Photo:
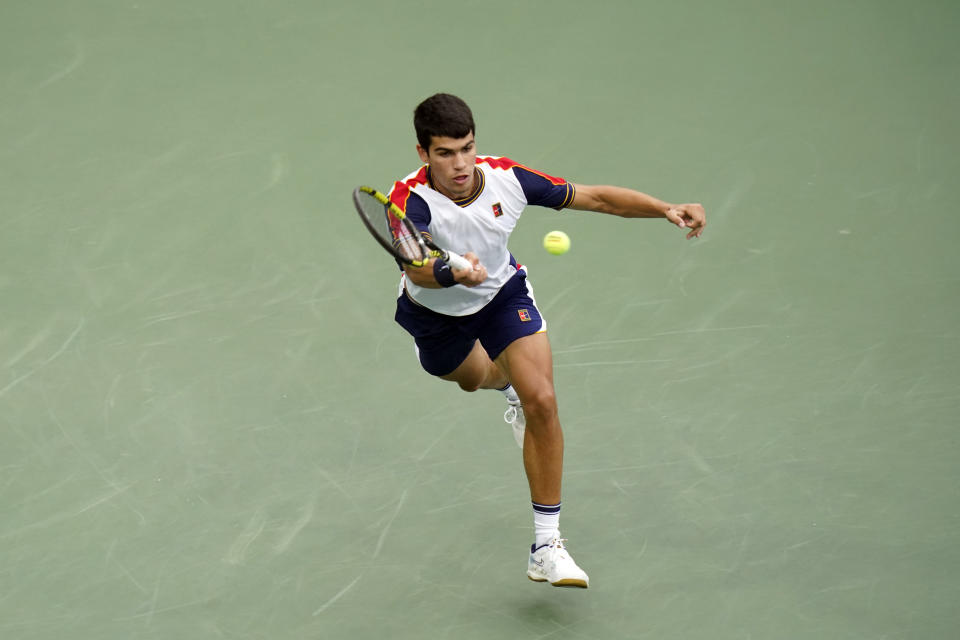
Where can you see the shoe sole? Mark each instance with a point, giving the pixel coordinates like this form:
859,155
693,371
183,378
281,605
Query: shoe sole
570,582
566,582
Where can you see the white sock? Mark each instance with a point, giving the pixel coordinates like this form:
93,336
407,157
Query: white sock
510,393
546,523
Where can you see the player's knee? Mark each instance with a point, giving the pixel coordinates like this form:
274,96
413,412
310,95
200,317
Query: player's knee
469,385
466,382
541,406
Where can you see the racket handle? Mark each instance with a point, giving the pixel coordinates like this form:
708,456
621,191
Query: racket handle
457,262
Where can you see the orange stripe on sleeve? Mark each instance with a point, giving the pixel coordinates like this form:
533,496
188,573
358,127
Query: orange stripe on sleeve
507,163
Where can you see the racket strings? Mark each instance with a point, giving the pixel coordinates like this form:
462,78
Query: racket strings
391,229
406,244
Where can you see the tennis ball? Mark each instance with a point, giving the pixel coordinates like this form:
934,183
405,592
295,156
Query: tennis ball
556,242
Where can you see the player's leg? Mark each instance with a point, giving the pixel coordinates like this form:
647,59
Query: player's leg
477,371
528,364
514,334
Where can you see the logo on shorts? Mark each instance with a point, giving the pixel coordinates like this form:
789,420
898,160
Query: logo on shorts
497,210
524,315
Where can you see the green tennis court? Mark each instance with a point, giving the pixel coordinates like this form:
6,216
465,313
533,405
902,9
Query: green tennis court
210,426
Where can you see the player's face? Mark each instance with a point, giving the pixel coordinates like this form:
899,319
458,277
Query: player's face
452,164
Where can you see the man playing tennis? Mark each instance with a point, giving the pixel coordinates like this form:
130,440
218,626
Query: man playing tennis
480,327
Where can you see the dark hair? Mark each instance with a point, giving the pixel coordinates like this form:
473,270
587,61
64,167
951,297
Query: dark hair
442,115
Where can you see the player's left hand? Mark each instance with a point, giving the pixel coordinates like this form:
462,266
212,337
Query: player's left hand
688,216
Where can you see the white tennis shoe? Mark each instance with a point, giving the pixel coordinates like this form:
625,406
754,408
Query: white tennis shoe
552,563
515,418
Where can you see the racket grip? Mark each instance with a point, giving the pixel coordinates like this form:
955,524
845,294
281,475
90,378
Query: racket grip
457,262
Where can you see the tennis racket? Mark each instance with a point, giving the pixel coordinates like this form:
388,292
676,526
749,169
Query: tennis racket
397,234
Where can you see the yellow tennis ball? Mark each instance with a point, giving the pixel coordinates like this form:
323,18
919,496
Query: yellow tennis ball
556,242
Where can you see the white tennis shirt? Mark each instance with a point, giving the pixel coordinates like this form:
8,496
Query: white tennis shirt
481,223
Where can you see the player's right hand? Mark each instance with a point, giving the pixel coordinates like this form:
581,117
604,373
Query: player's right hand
471,277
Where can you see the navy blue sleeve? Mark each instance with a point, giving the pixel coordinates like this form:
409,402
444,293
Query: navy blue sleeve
417,210
543,190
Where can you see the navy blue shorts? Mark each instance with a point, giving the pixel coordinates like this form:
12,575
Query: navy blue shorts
444,342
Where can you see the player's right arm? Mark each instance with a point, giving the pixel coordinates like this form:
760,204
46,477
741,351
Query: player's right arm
424,276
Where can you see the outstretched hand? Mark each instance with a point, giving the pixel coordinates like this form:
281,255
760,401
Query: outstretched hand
688,216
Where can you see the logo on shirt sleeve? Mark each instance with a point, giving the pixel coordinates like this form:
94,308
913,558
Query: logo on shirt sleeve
497,210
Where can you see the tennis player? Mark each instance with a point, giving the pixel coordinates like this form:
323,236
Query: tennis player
481,327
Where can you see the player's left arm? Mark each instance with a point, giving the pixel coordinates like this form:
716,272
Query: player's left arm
627,203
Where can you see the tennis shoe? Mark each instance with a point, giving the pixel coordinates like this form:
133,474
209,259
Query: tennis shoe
552,563
515,418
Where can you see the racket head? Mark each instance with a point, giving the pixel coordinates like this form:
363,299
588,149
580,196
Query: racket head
387,223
